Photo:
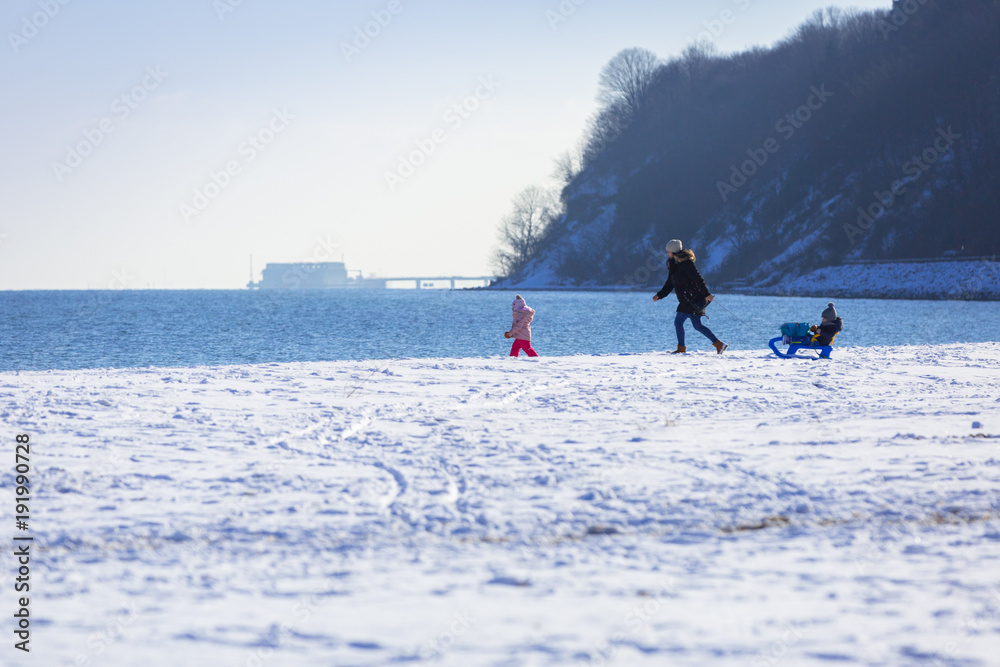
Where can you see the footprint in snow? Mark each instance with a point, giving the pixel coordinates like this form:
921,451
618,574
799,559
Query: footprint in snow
508,581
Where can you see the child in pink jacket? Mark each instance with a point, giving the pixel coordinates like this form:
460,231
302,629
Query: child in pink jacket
521,329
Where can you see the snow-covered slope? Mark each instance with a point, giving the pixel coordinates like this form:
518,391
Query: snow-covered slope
633,510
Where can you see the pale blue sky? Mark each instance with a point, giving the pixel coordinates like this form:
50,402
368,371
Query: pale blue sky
116,219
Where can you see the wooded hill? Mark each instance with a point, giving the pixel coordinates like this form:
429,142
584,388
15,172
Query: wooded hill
871,135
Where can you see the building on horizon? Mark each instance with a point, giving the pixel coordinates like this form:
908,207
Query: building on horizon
303,275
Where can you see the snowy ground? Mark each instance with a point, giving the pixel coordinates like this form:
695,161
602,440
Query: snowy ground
632,510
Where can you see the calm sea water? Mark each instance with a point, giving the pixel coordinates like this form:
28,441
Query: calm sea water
102,329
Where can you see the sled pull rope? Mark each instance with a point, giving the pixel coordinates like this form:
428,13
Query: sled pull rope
745,323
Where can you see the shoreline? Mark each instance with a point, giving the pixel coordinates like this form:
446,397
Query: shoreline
756,292
937,279
385,363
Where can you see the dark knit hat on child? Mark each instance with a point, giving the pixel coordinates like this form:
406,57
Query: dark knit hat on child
830,314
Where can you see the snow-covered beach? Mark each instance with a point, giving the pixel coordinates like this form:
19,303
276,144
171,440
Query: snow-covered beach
632,510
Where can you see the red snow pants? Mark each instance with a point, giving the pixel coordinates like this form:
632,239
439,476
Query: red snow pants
525,345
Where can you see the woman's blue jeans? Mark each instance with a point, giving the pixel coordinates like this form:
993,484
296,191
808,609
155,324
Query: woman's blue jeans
698,326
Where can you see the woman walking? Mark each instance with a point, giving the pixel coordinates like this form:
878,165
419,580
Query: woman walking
693,296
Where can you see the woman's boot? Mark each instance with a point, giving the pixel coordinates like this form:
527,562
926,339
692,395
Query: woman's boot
680,350
720,347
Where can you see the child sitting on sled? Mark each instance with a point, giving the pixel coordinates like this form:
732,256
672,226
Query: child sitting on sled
832,325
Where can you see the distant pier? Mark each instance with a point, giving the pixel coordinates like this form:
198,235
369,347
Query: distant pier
428,283
334,275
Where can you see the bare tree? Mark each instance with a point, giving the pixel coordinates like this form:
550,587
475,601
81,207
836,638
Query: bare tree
696,57
566,168
522,229
604,128
626,79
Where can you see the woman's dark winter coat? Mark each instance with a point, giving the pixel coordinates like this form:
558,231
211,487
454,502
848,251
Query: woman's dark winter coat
685,280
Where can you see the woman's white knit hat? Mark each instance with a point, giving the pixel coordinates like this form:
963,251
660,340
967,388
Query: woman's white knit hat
675,246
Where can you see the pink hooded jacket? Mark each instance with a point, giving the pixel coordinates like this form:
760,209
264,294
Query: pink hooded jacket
521,329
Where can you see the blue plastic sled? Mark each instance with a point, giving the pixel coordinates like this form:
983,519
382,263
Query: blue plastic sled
796,343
